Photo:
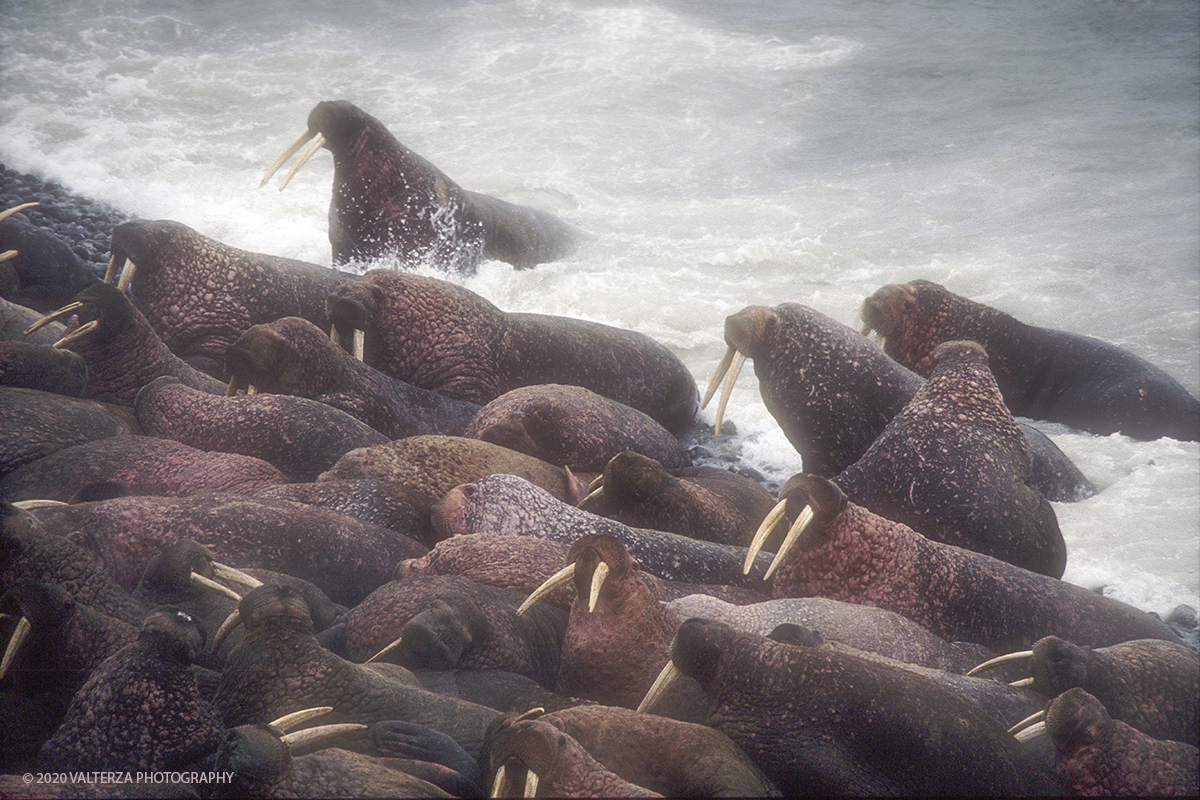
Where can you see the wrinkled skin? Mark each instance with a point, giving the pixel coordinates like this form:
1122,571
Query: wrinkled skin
34,424
708,503
1043,373
123,353
441,336
39,366
1150,684
16,318
953,465
511,506
45,273
848,553
200,295
1102,757
140,709
820,721
301,437
139,465
866,628
573,427
436,464
389,202
31,554
388,504
521,563
832,391
673,758
279,668
293,356
563,767
345,558
450,622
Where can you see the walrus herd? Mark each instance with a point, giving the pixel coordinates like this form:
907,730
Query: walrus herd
326,533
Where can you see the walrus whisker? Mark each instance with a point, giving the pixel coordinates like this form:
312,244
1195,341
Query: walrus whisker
739,359
287,153
54,316
1037,716
288,722
78,333
208,583
302,159
666,676
764,530
550,584
7,255
9,212
793,536
598,577
1008,658
19,634
389,648
1031,732
718,374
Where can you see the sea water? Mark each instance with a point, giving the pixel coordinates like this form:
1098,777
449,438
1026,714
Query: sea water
1042,158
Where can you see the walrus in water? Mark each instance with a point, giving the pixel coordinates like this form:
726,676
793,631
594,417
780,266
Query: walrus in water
389,202
1043,373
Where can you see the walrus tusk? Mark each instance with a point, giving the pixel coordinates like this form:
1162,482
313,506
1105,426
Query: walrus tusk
531,783
77,334
360,337
500,782
1020,655
592,495
718,373
668,675
29,504
598,577
126,275
389,648
19,634
793,536
302,159
208,583
729,368
768,524
228,573
564,575
289,721
288,152
1037,716
1032,732
312,739
54,316
9,212
232,621
7,255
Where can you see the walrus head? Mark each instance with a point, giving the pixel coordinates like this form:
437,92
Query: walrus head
805,501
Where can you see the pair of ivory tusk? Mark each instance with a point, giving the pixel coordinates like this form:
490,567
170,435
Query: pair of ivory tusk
1020,655
728,368
565,575
311,739
360,337
1029,728
235,385
63,313
502,782
300,141
764,530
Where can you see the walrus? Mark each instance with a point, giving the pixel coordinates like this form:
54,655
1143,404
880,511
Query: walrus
199,294
1098,756
573,427
1151,684
840,550
389,202
34,424
833,391
953,466
441,336
820,721
141,709
43,271
293,356
1043,373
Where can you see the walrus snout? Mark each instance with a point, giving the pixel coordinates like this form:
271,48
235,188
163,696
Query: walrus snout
883,310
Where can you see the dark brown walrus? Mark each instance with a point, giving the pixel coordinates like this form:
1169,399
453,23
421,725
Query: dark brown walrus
200,294
1043,373
389,202
842,551
441,336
